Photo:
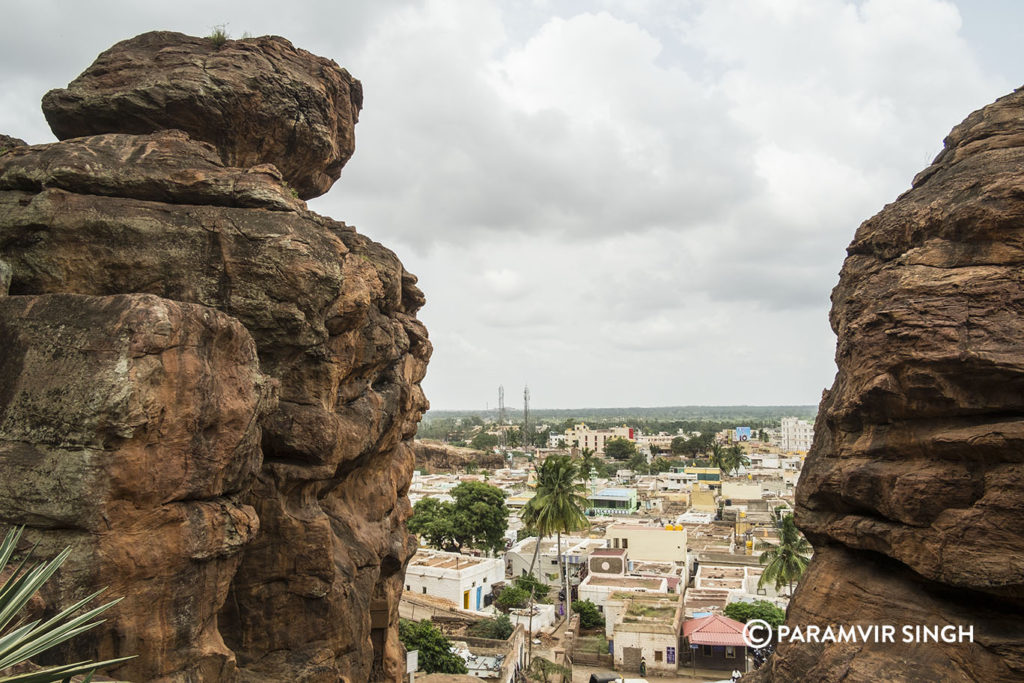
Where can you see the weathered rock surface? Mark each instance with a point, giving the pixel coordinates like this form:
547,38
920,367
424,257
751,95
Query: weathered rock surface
257,100
913,492
129,429
7,143
158,216
433,456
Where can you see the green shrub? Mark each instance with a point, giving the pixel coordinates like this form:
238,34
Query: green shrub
435,649
513,597
760,609
590,615
218,36
20,641
499,628
531,584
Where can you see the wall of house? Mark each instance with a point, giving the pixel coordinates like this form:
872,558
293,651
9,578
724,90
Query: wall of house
466,587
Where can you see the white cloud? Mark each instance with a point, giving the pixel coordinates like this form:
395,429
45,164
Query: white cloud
621,203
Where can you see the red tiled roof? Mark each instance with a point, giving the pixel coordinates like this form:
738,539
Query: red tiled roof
714,630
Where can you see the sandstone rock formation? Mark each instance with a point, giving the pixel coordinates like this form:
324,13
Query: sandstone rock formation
913,492
433,456
257,100
207,389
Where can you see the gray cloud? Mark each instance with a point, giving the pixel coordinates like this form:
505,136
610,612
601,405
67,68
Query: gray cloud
621,203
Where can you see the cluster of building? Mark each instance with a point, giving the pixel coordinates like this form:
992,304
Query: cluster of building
662,558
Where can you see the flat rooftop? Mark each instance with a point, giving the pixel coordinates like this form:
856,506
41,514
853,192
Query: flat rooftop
446,561
614,493
623,582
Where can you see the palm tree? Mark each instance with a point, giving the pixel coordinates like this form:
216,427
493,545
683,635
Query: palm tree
559,503
717,456
786,561
733,459
586,463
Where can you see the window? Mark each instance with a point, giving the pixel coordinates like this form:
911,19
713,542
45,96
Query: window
670,655
424,589
408,588
706,651
616,543
657,655
625,543
730,652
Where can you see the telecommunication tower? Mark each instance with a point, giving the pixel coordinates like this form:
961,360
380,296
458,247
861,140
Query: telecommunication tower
526,417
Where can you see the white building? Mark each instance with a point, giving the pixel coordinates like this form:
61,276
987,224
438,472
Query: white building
795,434
462,579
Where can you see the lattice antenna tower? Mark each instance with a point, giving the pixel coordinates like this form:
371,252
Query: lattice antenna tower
526,417
501,416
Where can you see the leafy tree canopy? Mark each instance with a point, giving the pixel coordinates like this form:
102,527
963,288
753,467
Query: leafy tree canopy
477,518
435,650
761,609
484,441
619,448
499,628
513,597
531,584
590,615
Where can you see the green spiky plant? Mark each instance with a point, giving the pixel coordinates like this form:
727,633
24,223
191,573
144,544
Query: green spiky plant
20,641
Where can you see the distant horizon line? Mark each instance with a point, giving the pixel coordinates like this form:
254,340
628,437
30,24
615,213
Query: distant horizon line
656,407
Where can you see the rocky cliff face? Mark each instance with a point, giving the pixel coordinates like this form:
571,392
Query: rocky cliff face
435,456
209,391
913,492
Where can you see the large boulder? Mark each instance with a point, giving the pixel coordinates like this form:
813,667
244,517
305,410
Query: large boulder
129,430
257,100
173,215
913,491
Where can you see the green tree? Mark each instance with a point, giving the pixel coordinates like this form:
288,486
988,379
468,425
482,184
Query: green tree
432,519
537,589
587,463
590,615
717,456
544,670
477,518
733,458
760,609
484,441
785,561
435,650
499,628
559,503
619,448
513,597
659,465
638,463
679,446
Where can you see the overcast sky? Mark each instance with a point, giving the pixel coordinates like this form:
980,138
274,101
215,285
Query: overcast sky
621,203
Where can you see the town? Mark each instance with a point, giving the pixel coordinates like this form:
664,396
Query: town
562,549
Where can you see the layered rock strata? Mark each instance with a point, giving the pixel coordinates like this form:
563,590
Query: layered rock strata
278,504
913,491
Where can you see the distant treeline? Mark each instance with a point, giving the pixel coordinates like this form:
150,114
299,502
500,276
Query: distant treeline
442,423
